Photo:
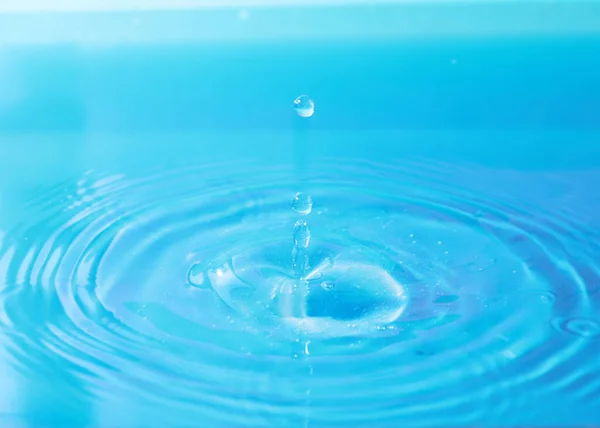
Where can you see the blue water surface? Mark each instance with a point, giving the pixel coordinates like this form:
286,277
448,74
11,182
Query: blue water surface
146,228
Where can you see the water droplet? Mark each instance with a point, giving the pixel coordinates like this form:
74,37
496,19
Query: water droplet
302,203
304,106
301,234
196,277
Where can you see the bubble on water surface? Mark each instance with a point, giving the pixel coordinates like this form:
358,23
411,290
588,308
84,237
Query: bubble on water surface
304,106
302,203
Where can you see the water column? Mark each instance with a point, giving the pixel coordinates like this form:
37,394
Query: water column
302,204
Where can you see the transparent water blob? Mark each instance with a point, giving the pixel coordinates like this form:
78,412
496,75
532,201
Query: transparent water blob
304,106
302,203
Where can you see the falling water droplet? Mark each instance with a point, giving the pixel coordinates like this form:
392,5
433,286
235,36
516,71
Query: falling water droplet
301,234
302,203
304,106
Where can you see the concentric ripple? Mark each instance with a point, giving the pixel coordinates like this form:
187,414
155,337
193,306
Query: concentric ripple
426,301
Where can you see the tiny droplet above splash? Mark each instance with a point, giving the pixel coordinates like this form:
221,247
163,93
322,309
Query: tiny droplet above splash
304,106
301,234
302,203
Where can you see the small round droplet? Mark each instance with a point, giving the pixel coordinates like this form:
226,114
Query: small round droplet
196,277
304,106
302,203
301,234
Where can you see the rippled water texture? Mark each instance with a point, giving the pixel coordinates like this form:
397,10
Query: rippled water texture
431,298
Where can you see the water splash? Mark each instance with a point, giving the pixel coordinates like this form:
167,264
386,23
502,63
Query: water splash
183,282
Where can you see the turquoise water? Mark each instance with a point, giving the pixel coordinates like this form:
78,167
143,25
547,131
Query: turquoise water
447,271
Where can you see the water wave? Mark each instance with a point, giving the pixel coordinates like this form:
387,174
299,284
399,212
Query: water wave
424,303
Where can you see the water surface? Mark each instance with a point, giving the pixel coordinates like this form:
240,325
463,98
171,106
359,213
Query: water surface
454,235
